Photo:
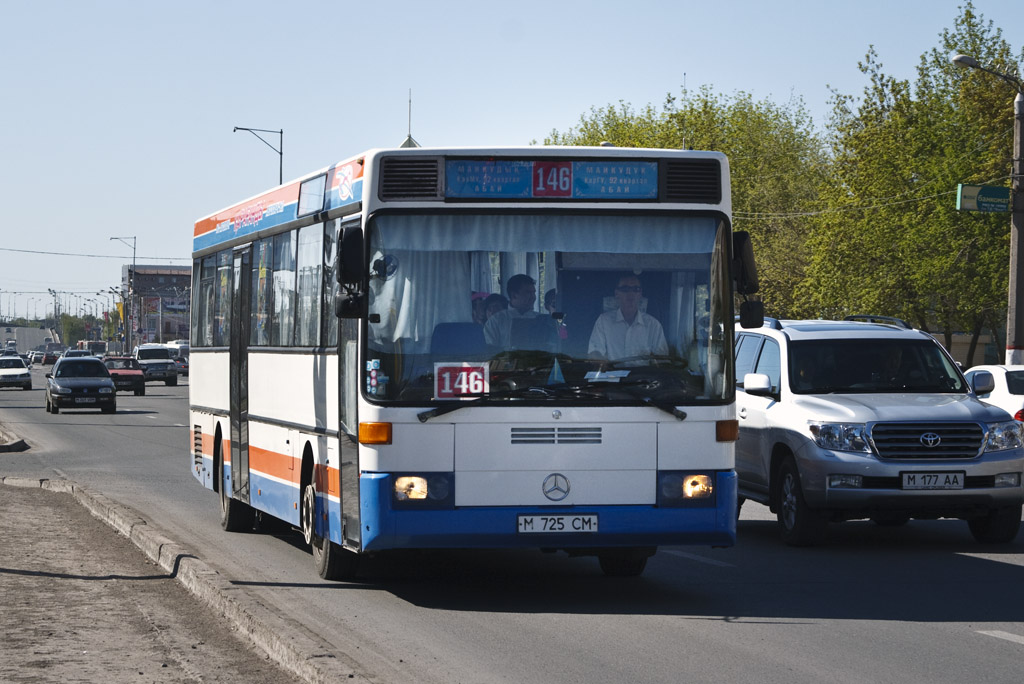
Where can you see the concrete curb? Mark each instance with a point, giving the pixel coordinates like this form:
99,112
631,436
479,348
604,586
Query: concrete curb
286,642
11,442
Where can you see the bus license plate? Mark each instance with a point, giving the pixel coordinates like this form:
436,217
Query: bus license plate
539,524
933,480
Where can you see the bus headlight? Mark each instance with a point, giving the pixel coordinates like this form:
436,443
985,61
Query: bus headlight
677,488
423,490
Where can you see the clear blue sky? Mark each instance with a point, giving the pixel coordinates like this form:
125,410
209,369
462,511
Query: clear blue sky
116,117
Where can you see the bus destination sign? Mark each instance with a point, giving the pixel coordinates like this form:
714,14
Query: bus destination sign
551,179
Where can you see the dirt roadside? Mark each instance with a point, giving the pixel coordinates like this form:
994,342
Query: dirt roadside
80,602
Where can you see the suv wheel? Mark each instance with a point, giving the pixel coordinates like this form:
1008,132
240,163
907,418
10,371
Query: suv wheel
800,525
1000,526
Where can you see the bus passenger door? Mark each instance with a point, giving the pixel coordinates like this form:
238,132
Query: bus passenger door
239,372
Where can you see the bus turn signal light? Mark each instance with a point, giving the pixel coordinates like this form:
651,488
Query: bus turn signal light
727,430
375,433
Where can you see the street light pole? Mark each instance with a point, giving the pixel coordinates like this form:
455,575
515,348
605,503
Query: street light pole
1014,318
130,323
279,149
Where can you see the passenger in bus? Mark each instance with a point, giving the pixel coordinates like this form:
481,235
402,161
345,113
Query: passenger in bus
552,304
522,293
479,303
627,332
493,304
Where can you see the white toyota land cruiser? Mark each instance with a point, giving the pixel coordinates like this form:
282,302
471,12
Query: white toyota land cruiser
845,420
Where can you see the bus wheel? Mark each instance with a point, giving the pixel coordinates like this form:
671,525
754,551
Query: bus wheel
235,516
331,560
623,562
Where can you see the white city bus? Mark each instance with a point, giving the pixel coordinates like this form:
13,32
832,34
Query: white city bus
343,380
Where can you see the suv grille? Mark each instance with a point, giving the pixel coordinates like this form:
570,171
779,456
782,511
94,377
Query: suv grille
927,440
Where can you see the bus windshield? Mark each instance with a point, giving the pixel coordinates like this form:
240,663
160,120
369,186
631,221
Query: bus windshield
550,307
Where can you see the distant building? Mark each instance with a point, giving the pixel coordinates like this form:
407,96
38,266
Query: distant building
159,310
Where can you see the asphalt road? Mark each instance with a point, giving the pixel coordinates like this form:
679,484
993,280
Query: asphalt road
919,603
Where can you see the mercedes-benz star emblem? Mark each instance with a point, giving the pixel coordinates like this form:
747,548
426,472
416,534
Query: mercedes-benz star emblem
930,439
555,486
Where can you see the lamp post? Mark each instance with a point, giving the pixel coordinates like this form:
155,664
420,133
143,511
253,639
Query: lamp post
279,149
1014,319
131,292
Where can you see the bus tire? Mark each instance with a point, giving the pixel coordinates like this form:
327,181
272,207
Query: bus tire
623,562
235,516
332,562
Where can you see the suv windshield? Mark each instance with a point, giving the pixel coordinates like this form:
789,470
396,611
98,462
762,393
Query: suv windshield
147,354
871,365
600,309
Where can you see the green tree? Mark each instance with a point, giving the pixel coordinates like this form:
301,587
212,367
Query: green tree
776,162
891,240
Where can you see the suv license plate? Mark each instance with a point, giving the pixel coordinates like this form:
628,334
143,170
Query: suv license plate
933,480
534,524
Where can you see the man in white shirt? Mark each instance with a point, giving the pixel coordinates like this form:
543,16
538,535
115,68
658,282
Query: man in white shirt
522,293
627,332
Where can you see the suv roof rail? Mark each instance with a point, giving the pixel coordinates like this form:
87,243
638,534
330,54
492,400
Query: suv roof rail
773,323
869,318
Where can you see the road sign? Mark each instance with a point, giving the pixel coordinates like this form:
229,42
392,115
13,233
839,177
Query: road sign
988,198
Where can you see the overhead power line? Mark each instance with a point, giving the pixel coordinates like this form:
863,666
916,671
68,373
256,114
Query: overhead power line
92,256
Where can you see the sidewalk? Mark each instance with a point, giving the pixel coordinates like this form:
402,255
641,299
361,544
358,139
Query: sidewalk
80,602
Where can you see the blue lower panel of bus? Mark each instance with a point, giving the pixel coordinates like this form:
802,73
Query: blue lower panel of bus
383,527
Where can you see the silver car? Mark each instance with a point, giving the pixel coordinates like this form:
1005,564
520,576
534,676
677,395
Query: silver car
844,420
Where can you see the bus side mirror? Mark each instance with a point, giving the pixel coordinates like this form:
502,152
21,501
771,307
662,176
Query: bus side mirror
743,266
751,314
351,266
350,305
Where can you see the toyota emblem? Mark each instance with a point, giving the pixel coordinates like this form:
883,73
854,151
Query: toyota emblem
555,486
930,439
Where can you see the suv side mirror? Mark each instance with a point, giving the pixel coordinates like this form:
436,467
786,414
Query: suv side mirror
758,384
983,382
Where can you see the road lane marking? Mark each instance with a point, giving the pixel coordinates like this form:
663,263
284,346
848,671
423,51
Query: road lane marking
1016,638
701,559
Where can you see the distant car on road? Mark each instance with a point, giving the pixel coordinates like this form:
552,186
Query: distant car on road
14,373
126,373
80,383
1008,394
182,363
157,363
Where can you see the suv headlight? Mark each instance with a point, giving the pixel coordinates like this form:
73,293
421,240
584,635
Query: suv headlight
841,436
1002,436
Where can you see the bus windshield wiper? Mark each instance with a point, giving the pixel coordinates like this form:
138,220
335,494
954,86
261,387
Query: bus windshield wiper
477,399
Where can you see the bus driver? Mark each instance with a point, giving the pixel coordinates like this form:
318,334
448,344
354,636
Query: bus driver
627,332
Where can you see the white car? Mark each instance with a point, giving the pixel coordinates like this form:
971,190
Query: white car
14,373
1008,393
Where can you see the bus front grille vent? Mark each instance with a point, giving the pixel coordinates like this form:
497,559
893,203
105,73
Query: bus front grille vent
695,181
556,435
406,178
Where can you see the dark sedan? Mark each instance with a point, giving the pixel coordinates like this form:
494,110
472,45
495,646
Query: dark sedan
80,383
